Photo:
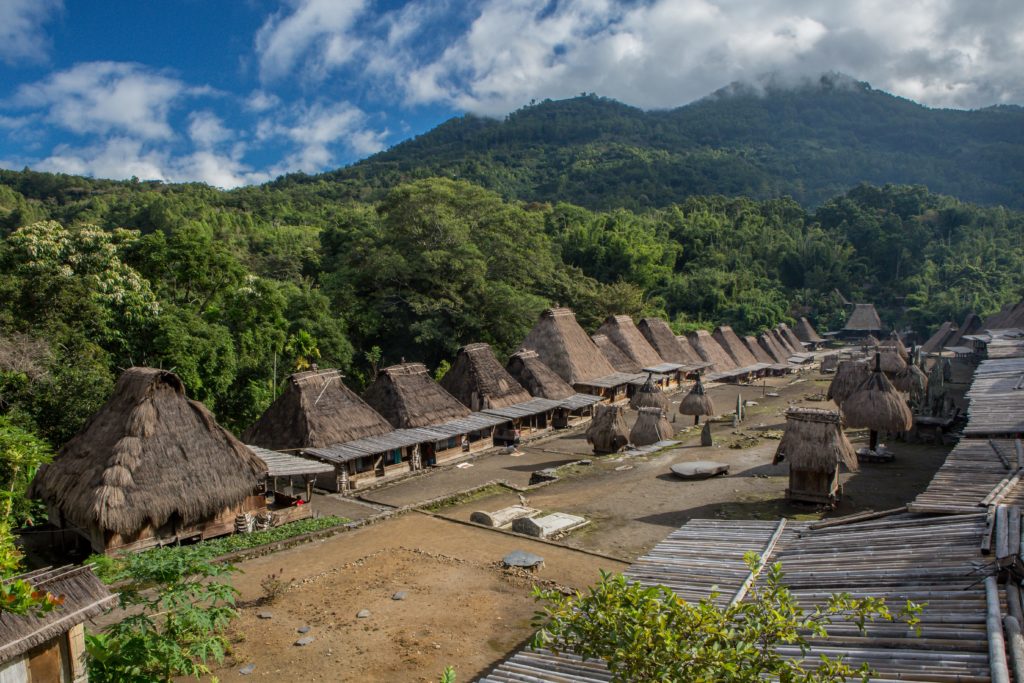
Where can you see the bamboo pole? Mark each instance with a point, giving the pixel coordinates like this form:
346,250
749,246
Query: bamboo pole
1015,643
765,554
1013,602
996,645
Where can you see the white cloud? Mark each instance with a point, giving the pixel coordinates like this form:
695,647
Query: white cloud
107,97
207,129
320,129
21,29
314,34
259,101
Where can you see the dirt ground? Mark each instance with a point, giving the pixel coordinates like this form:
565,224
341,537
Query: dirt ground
461,608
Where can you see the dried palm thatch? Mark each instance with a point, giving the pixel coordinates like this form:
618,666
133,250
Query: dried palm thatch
870,342
541,381
896,343
850,374
315,410
911,380
783,343
565,348
771,346
941,338
697,402
659,335
148,454
616,356
651,426
863,318
621,331
407,397
732,345
607,432
757,351
792,341
877,405
477,379
814,442
892,363
684,343
711,351
649,395
805,332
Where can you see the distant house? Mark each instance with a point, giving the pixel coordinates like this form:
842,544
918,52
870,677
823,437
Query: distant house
863,321
670,347
151,467
51,648
542,382
616,356
622,332
732,345
806,333
711,351
814,446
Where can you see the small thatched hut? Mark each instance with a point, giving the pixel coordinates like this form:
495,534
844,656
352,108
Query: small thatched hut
607,432
711,351
892,362
151,467
850,374
564,347
877,406
616,356
622,332
911,380
315,410
660,336
697,402
651,426
407,396
863,321
815,446
649,395
806,333
894,342
757,351
732,345
477,379
537,378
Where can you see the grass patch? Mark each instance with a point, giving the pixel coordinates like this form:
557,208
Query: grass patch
468,497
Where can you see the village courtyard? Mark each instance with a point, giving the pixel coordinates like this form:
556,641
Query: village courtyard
431,587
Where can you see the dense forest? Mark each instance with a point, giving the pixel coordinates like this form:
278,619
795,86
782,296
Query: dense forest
810,143
235,289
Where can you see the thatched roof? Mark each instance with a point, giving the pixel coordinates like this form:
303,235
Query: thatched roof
864,318
971,325
660,336
892,362
649,395
147,454
896,343
911,380
477,379
870,341
83,597
616,356
624,334
782,342
771,346
607,432
565,348
651,426
814,442
792,341
850,374
710,351
697,402
805,332
877,405
941,338
757,350
315,410
538,379
684,343
732,345
408,397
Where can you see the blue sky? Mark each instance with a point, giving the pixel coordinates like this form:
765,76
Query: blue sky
232,92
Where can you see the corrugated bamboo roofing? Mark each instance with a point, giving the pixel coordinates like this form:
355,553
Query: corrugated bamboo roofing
976,473
287,465
996,398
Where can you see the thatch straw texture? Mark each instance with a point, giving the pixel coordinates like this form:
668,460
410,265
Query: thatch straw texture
148,454
711,351
876,405
757,351
478,381
651,426
940,339
892,362
315,410
792,341
772,348
697,402
814,442
870,342
805,332
864,318
649,395
684,343
895,342
911,380
660,336
565,348
850,374
782,342
616,356
624,334
408,397
732,345
538,379
607,432
971,325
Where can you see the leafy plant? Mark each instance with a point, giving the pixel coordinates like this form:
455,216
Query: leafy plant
273,586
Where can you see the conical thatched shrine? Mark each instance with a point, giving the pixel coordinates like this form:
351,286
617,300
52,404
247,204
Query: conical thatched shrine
850,374
814,446
649,395
651,426
478,381
607,432
697,403
877,406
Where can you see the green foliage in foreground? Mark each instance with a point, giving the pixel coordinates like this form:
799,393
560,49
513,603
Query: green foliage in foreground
650,634
112,569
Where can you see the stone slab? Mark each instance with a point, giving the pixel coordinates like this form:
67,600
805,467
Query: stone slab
699,469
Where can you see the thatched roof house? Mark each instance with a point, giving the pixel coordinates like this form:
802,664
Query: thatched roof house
757,351
315,410
670,347
616,356
649,395
783,343
806,333
878,406
541,381
792,341
651,426
711,351
407,397
850,374
477,379
624,334
607,432
149,464
771,346
732,345
814,445
971,325
863,320
941,339
565,348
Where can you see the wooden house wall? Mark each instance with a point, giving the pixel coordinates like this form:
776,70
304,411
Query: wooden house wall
813,487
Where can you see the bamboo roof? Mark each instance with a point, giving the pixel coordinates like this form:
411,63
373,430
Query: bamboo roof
974,472
408,397
625,335
670,347
478,380
996,398
737,350
287,465
564,347
538,379
864,318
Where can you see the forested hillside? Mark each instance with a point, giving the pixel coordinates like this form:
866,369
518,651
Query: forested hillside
810,143
233,290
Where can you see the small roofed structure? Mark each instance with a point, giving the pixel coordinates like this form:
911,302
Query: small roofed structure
622,332
850,374
407,396
607,432
806,333
151,467
940,339
51,646
537,378
651,426
972,324
616,356
564,347
649,395
315,410
478,380
877,406
732,345
711,351
670,347
911,380
697,402
891,360
863,321
814,446
792,340
894,342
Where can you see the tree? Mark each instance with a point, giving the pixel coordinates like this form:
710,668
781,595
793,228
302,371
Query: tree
650,634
